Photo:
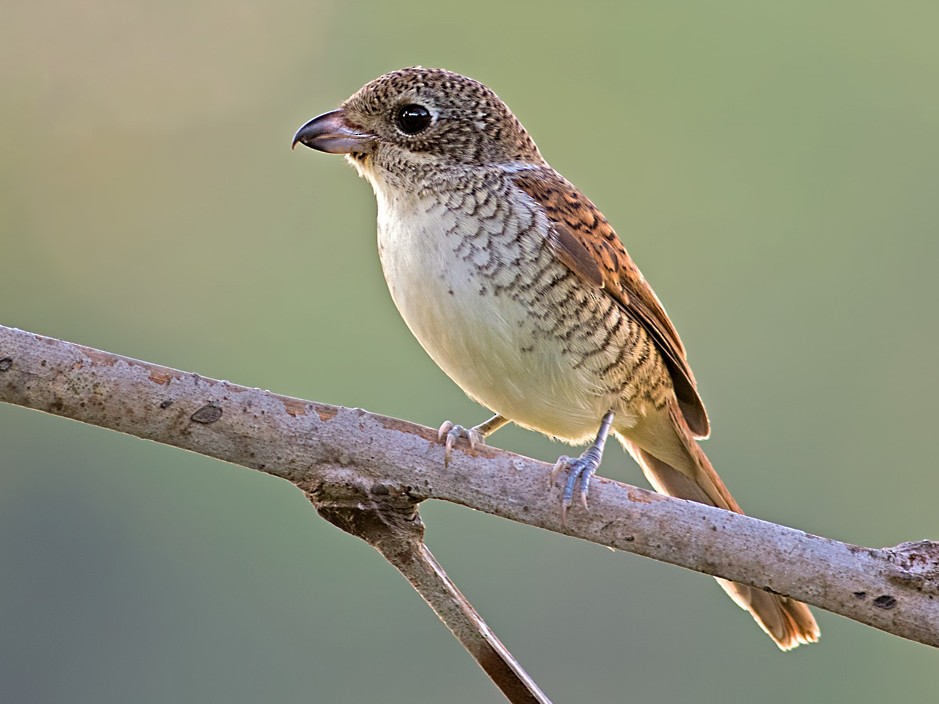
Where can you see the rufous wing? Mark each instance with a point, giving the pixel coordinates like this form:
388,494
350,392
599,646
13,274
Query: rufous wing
586,244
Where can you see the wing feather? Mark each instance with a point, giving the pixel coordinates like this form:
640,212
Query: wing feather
586,244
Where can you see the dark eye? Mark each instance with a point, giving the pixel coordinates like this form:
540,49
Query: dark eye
412,119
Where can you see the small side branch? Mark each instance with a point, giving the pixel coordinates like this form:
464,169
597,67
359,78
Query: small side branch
390,523
313,444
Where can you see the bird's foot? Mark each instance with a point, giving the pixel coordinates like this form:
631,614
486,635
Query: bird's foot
450,433
580,469
583,468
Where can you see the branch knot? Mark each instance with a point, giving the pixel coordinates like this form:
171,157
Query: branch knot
383,515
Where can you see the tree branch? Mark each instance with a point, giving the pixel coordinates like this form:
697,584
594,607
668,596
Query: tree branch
389,522
333,453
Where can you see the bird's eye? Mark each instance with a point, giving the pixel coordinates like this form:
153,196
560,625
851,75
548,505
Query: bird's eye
412,119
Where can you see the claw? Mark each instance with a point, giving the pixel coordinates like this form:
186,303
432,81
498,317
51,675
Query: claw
445,428
449,434
582,469
563,463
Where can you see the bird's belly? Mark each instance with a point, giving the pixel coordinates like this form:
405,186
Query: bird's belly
458,302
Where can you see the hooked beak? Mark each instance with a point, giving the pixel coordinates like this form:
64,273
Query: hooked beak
331,133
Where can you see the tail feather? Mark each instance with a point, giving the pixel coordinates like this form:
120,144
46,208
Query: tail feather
687,474
788,622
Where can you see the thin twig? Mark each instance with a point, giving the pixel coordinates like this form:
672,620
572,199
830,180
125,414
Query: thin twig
390,523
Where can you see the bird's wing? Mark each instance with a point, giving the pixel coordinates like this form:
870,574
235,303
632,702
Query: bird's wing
585,243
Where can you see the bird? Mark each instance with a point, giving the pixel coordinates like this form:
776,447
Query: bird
521,291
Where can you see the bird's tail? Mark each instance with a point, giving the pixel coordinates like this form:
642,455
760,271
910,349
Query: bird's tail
686,473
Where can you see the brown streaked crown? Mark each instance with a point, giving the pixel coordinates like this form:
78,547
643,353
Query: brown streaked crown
469,123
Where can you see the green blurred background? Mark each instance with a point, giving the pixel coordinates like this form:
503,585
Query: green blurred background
772,167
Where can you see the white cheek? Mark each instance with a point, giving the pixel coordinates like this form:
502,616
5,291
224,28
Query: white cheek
360,165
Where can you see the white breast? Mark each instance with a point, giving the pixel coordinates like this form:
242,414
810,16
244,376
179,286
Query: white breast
485,342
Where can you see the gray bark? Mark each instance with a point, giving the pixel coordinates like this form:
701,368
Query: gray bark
368,473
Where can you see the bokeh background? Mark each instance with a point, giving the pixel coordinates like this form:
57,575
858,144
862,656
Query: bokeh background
773,167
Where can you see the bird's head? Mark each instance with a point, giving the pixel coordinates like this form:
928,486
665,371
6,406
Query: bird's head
420,120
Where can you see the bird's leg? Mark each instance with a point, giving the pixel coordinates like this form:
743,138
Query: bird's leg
450,433
583,468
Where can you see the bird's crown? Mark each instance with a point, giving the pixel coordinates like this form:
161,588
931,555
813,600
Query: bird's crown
437,113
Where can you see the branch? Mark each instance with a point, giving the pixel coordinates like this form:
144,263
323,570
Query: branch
389,522
330,451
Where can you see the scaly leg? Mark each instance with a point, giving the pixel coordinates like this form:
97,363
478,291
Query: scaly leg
583,468
475,435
